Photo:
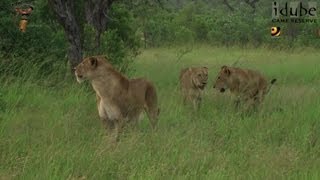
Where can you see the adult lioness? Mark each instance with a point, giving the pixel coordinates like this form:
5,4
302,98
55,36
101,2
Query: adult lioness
249,86
119,99
192,82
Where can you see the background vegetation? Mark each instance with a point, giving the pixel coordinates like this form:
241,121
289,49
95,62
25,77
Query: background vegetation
145,23
49,125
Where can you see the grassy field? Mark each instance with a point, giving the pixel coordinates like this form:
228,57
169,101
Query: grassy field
53,132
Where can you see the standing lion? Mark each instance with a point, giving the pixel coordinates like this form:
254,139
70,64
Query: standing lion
192,82
249,86
119,99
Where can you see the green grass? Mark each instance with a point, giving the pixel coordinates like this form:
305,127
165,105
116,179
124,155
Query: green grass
53,132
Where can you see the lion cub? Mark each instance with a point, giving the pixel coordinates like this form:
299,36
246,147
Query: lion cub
192,82
119,99
249,86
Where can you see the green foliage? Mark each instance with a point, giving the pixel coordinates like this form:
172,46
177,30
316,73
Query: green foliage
117,51
217,25
41,46
120,43
183,35
132,24
158,29
196,18
44,46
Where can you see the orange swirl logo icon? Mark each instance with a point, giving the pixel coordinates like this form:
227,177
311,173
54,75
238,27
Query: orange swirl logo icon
275,31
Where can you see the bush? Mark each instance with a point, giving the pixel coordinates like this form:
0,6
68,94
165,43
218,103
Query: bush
217,25
183,35
120,43
118,53
42,49
159,29
41,46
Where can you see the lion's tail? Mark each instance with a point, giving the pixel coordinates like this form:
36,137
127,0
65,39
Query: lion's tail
152,104
271,83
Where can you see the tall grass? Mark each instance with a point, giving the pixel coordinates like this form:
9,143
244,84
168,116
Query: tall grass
53,131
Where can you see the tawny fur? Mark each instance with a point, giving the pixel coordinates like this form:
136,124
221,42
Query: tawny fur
192,82
249,86
119,99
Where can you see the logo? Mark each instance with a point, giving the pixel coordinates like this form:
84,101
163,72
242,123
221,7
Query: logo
275,31
295,12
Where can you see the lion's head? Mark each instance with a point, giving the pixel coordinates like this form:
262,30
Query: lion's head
222,80
199,77
86,69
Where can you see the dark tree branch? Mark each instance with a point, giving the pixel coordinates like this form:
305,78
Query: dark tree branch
228,5
160,4
97,16
252,4
64,11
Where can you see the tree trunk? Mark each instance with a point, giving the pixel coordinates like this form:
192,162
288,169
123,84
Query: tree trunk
97,16
228,5
64,10
252,4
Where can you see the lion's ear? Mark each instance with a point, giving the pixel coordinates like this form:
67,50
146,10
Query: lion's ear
226,70
93,62
205,69
189,69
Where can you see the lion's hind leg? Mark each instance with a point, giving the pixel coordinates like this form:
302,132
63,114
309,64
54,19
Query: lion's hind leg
118,127
257,100
154,117
152,114
134,117
151,106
